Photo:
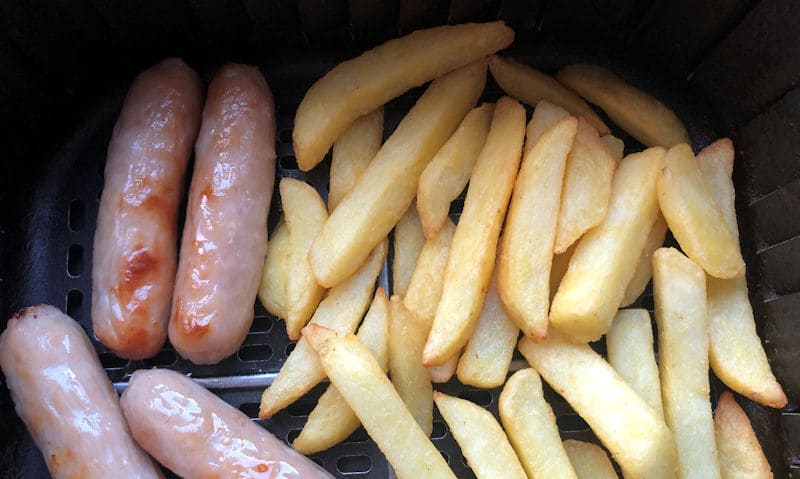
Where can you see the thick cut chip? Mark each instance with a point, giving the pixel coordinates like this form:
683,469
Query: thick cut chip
408,243
426,284
740,454
736,354
605,258
448,172
631,354
305,214
332,421
559,268
530,86
545,116
589,460
615,146
474,247
644,268
483,442
645,118
356,87
341,310
359,378
352,154
526,252
627,426
272,289
531,427
444,372
694,217
388,185
679,290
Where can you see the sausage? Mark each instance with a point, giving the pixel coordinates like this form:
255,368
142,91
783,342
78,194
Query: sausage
225,234
134,257
197,435
64,397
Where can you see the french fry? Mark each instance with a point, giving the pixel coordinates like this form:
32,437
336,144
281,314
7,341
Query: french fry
408,243
545,116
305,214
448,172
425,288
645,118
615,146
740,454
388,185
559,268
474,246
644,268
272,289
679,289
602,265
485,360
332,421
627,426
589,460
531,427
410,378
531,86
355,87
359,378
694,217
483,442
526,252
587,187
340,310
631,354
735,351
352,153
444,372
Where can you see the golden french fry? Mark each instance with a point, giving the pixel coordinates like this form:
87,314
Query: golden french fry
448,172
644,268
332,421
630,353
388,185
363,384
740,454
645,118
615,146
545,116
444,372
627,426
531,427
587,187
559,268
305,214
484,362
694,217
352,153
408,243
531,86
474,246
483,442
602,265
526,251
425,288
679,289
589,460
355,87
272,289
341,310
410,378
735,351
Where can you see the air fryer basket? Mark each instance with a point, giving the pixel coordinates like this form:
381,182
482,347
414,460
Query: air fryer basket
727,67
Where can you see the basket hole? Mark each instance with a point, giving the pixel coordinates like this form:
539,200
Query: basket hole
250,409
439,430
255,352
292,435
285,136
75,303
445,456
301,407
354,464
478,396
571,423
76,215
261,324
165,357
112,361
360,435
289,163
290,348
75,260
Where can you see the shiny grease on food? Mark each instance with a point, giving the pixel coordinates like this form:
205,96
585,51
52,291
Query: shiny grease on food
197,435
65,399
134,258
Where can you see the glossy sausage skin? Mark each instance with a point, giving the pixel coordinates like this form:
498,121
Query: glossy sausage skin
225,234
133,268
197,435
64,397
